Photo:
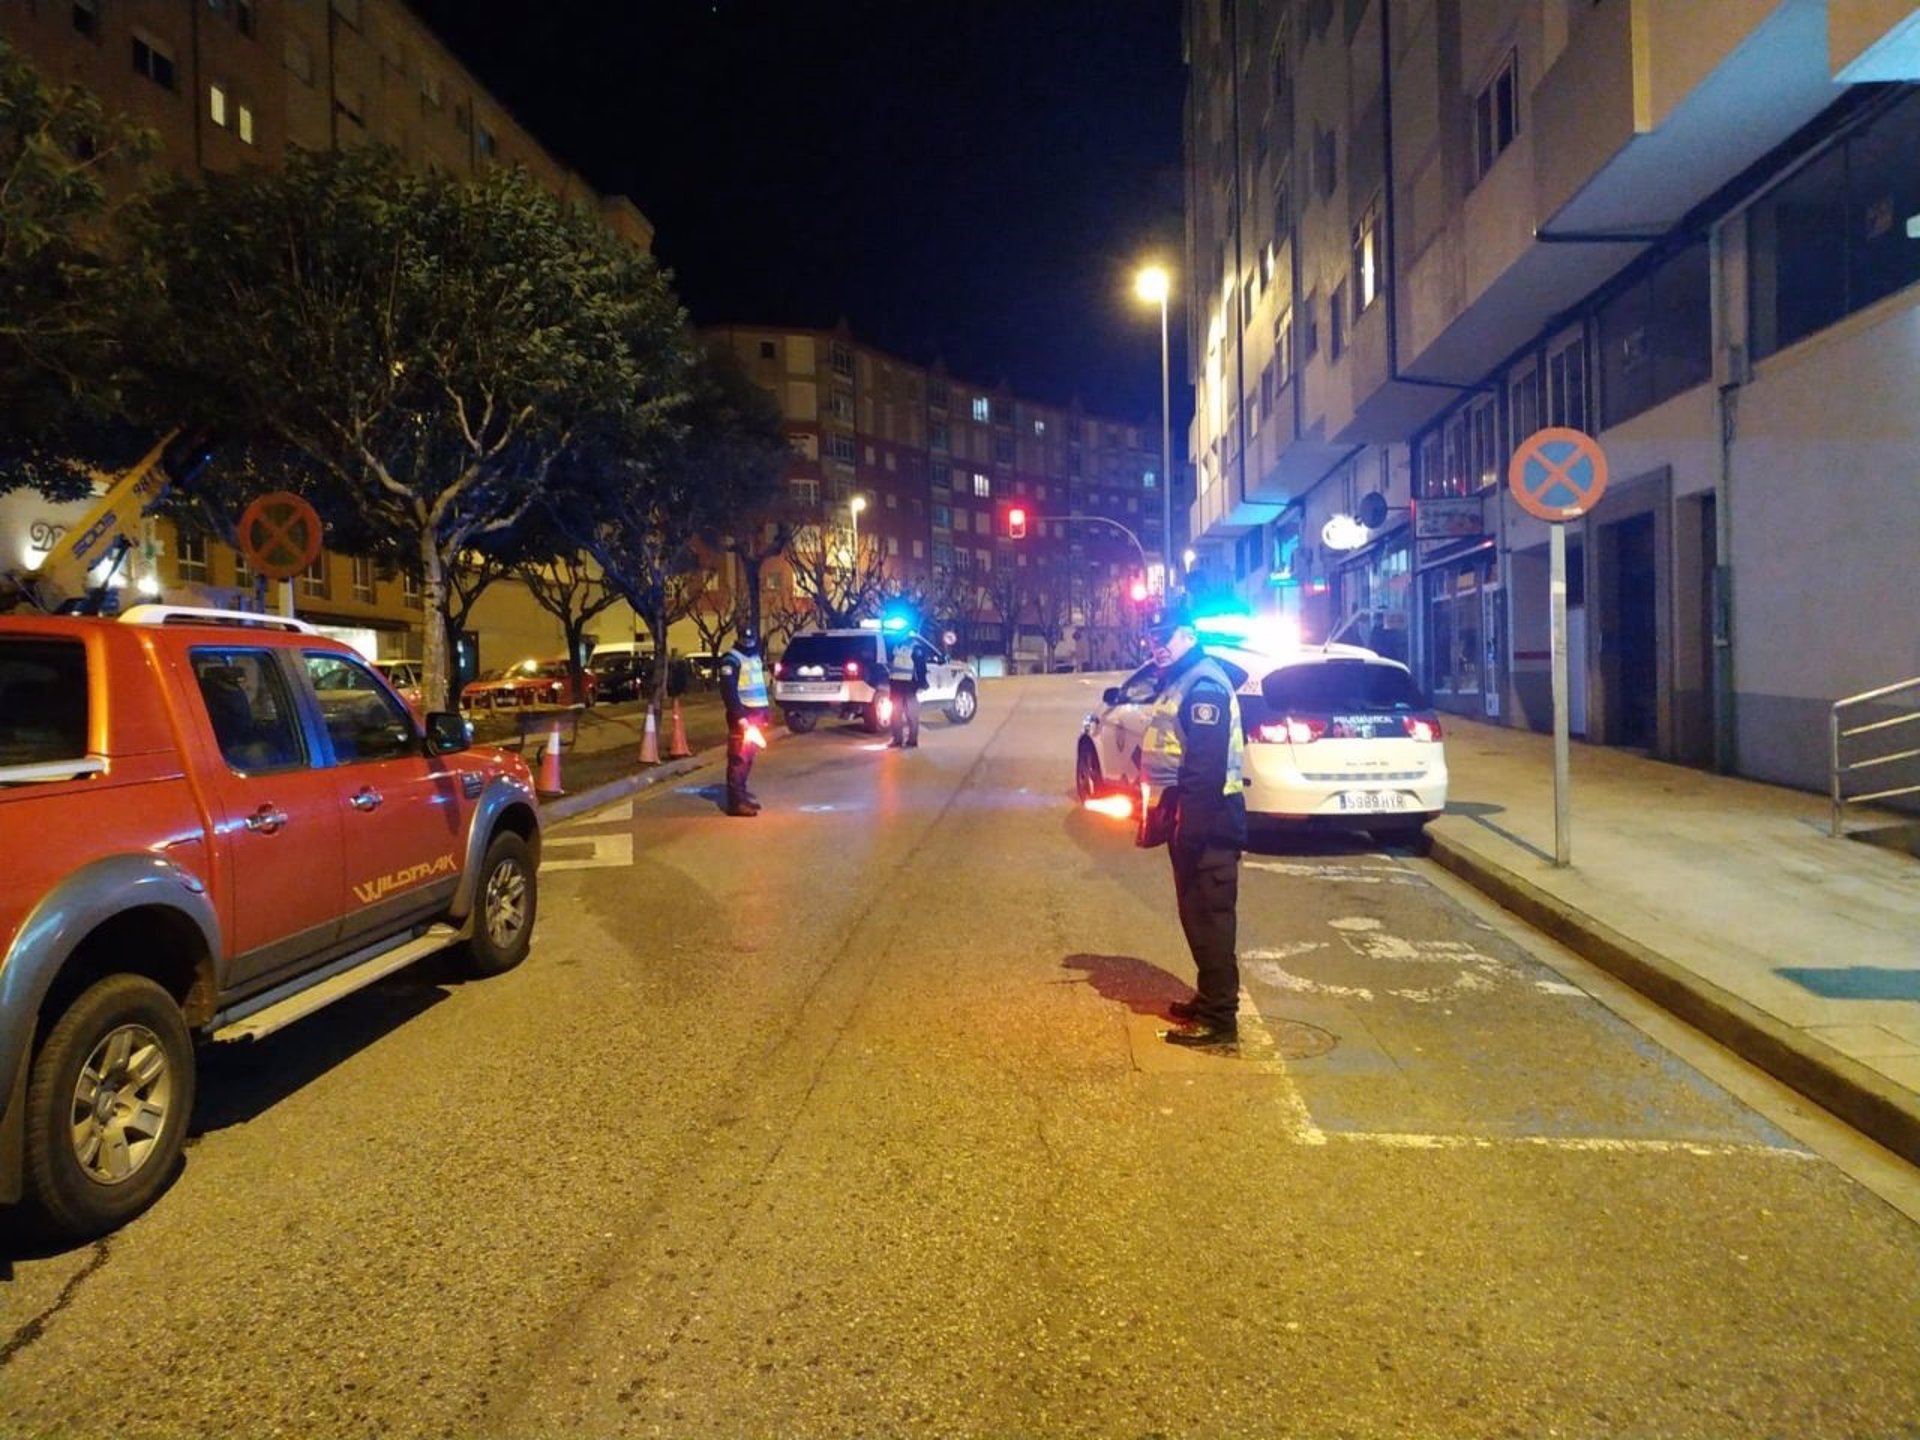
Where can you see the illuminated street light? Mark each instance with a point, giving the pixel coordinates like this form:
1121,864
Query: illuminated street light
1188,556
854,507
1153,285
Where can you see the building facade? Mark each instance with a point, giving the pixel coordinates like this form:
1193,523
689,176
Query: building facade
1420,230
939,465
229,83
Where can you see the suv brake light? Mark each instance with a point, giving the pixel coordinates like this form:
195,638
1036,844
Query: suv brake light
1292,730
1426,730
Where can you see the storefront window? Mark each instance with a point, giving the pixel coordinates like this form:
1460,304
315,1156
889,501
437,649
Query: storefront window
1453,631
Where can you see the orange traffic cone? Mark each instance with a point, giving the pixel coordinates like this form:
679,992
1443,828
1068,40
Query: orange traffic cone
549,784
678,747
650,742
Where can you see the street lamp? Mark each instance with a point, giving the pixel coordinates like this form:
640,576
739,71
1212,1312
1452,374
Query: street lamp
854,507
1153,285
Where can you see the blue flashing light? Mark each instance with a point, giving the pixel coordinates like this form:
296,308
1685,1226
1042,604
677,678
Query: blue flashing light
896,622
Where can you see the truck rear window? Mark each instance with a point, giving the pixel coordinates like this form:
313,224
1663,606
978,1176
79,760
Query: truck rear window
43,701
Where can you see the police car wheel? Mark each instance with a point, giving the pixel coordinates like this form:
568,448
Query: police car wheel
870,718
799,721
965,703
1087,778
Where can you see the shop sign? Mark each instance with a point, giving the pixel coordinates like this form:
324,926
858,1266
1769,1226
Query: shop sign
1448,517
1343,532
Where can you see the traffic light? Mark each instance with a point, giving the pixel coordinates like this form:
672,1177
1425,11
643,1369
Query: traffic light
1017,522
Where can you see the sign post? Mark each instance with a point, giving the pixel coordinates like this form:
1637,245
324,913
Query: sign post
1558,475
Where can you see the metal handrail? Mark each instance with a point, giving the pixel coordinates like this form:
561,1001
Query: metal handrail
1837,772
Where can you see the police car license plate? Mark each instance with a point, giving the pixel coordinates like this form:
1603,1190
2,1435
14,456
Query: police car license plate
793,689
1372,800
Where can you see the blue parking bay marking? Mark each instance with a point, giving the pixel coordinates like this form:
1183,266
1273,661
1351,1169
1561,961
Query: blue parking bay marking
1448,1035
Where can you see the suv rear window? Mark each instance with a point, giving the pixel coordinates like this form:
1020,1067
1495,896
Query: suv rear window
43,701
834,650
1342,686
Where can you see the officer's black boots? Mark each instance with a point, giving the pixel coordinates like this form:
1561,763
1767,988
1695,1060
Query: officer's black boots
1204,1034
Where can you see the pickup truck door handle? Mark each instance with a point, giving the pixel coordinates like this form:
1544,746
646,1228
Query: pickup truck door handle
266,820
368,799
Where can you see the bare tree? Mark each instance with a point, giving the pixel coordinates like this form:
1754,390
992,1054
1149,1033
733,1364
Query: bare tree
572,590
840,581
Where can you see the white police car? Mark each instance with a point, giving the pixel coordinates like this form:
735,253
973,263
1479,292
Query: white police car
843,673
1335,735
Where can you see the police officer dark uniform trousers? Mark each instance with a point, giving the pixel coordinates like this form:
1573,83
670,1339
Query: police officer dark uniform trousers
1191,758
906,678
743,691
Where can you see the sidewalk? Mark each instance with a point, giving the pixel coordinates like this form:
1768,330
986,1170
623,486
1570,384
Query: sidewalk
1726,901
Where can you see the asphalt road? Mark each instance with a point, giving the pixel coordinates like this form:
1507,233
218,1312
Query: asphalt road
853,1119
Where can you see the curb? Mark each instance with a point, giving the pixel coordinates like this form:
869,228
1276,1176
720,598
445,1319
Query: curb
565,807
1863,1098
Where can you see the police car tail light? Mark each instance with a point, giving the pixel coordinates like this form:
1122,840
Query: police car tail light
1292,731
853,669
779,668
1426,730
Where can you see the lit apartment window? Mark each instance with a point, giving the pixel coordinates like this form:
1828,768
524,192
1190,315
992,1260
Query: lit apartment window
243,122
1366,259
217,105
982,487
363,579
190,551
982,408
1496,115
153,60
86,18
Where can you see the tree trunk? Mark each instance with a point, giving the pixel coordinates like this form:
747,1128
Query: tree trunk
433,660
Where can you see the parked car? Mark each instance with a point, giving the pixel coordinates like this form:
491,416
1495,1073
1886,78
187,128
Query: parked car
405,676
1334,735
844,673
234,821
621,674
531,682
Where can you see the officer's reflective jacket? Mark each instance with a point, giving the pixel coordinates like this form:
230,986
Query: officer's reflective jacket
743,684
1193,747
900,666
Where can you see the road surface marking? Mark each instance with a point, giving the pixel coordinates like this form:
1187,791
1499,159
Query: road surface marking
587,852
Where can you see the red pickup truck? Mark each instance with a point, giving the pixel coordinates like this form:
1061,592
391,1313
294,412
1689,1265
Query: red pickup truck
213,825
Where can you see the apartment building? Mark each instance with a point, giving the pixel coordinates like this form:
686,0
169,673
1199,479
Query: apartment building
1420,230
938,463
228,83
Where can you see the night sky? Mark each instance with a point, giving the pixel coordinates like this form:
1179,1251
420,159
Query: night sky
969,180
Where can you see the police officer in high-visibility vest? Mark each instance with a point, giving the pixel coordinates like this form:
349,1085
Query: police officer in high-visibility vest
906,678
743,690
1190,760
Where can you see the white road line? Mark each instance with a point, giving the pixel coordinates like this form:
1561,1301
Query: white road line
1599,1144
604,852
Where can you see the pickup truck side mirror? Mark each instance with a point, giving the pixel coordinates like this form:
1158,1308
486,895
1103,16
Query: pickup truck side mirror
1111,695
447,732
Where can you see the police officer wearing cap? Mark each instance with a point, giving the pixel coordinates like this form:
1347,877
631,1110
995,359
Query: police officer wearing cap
1191,760
743,691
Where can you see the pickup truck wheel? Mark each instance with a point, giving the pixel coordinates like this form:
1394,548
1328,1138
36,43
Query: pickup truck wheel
108,1101
965,704
504,903
799,721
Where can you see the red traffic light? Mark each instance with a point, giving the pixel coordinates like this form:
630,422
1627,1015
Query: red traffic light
1139,591
1017,522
